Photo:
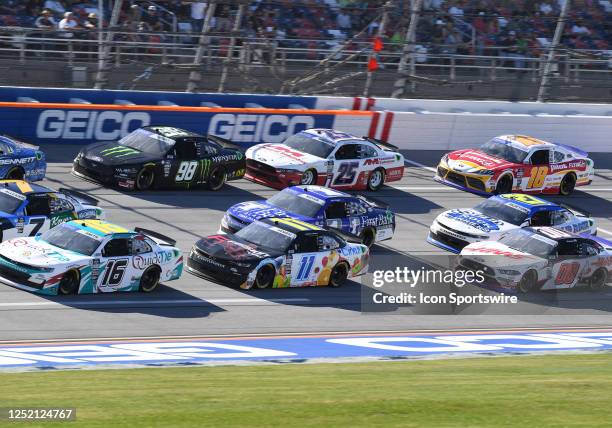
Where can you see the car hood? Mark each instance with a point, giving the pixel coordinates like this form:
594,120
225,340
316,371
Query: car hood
230,248
35,252
495,254
474,222
257,210
282,156
113,154
472,161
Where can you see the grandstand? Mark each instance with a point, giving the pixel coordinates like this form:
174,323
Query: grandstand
477,48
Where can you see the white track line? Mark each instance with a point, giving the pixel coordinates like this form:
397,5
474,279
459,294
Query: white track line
420,165
607,232
145,302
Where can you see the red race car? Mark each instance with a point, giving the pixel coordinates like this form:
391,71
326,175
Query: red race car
516,164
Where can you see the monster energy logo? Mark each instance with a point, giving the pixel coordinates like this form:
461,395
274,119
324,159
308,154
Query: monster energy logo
205,167
119,151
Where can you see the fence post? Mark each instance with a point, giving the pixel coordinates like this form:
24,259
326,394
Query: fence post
203,43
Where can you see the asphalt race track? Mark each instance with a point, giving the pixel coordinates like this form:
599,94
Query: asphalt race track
194,307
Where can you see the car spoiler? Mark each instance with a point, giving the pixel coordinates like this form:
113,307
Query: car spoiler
225,143
381,143
161,239
573,210
373,201
80,196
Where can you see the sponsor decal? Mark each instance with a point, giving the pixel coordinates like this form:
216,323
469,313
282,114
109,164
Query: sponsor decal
497,252
83,124
199,257
13,194
119,151
568,165
143,261
252,128
227,158
18,161
475,220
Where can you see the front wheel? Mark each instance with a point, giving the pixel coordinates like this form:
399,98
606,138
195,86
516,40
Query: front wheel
69,284
567,184
528,282
598,280
145,179
264,277
149,279
217,178
504,185
376,180
15,174
309,178
368,237
339,275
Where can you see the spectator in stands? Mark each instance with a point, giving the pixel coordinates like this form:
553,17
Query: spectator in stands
516,48
152,19
198,13
580,28
343,20
457,10
46,20
91,23
67,24
56,6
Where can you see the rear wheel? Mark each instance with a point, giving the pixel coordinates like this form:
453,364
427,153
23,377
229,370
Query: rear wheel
339,275
567,184
149,279
217,178
528,282
264,277
376,179
504,185
309,177
15,174
598,280
145,179
69,284
368,237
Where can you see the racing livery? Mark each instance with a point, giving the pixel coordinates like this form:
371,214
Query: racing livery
454,229
541,258
369,220
161,156
327,158
278,253
19,160
89,256
27,209
517,163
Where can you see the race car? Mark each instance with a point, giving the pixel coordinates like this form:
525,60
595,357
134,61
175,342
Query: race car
278,253
516,163
161,156
89,256
27,209
452,230
369,220
327,158
21,161
540,258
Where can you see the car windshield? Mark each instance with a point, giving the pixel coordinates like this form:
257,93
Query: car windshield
147,142
10,201
500,149
295,203
309,145
529,242
71,238
267,236
507,212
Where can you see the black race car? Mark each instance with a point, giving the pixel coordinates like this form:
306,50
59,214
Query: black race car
161,156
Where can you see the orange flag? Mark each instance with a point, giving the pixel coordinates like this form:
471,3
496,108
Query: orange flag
378,44
372,64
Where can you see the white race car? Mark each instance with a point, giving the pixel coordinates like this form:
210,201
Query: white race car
454,229
89,256
542,258
326,158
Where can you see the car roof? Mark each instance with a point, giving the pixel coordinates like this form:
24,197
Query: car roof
171,132
553,233
318,192
532,203
25,188
525,142
332,136
290,224
100,228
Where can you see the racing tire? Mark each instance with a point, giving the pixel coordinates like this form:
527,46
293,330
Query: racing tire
15,174
217,178
309,178
504,185
69,284
376,179
568,183
339,275
264,277
368,237
149,279
597,281
144,179
528,282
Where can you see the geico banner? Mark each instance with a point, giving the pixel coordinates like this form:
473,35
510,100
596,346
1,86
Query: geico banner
64,123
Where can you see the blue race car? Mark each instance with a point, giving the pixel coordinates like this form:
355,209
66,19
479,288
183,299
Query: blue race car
454,229
21,161
370,220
